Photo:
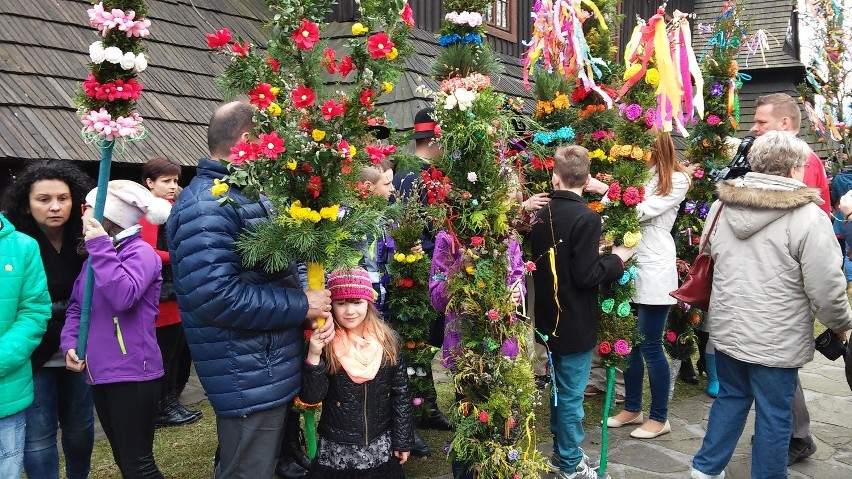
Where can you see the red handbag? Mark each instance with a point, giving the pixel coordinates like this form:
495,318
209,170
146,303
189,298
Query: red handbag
695,289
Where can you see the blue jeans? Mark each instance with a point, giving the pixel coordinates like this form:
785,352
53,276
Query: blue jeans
740,385
62,399
12,445
571,372
652,320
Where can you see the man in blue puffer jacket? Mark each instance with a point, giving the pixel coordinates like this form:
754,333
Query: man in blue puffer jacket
244,327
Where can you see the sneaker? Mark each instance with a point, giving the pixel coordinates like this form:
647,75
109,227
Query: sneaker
591,391
583,472
800,449
696,474
587,461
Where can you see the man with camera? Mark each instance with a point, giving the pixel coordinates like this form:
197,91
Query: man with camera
779,111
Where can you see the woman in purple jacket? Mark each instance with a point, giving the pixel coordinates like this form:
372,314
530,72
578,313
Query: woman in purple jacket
446,259
122,362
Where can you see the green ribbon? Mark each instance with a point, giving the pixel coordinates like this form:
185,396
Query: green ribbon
608,403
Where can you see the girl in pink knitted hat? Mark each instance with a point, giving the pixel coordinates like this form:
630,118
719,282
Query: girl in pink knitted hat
366,428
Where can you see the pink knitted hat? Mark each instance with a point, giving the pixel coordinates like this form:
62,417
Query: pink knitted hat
351,284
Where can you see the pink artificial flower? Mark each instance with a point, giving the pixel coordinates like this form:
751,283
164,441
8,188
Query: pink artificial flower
379,45
306,35
671,336
483,417
713,120
329,60
631,196
241,48
262,95
243,151
219,38
407,15
271,145
345,66
303,96
332,109
622,348
529,266
614,191
493,315
699,173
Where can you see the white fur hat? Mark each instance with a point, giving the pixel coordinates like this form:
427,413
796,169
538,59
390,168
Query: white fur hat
127,201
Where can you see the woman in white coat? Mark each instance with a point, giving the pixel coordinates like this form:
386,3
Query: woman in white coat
655,278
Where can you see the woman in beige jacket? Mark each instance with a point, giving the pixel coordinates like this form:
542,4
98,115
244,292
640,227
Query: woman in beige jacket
777,264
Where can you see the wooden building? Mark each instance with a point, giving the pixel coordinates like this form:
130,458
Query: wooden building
44,56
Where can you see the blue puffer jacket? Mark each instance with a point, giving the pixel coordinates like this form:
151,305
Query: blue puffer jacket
244,327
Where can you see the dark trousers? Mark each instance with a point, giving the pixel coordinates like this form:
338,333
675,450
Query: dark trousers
249,445
184,366
171,341
127,412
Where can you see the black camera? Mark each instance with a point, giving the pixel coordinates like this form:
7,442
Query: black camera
830,345
738,166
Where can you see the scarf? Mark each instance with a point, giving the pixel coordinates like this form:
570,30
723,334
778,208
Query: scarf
360,356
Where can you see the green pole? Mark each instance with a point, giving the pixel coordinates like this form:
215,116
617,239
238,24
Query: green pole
610,385
311,433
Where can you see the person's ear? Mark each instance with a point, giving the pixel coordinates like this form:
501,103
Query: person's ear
150,183
368,185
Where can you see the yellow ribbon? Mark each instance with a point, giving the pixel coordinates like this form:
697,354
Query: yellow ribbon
551,253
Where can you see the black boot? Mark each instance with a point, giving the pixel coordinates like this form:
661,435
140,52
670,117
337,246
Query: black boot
172,413
433,418
293,463
703,338
687,373
419,448
196,415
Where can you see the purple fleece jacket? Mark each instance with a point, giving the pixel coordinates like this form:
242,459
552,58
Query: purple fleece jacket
122,342
444,262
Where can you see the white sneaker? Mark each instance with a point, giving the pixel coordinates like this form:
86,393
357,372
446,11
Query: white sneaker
583,472
696,474
587,461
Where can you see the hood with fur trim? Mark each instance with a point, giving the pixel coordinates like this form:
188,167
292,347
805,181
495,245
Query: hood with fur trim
756,200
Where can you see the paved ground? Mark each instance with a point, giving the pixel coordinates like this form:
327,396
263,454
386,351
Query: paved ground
829,401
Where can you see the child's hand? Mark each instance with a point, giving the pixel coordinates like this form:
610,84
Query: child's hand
516,295
320,337
92,229
402,456
73,363
418,248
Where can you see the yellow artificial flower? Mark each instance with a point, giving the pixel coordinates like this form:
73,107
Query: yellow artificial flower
275,90
470,270
292,164
387,86
330,212
219,187
631,238
400,257
410,258
359,29
652,77
561,101
632,70
392,54
274,109
637,153
613,152
318,135
352,151
314,216
597,154
626,150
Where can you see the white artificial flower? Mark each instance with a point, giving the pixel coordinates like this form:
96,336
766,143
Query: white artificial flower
113,54
450,102
471,177
465,98
410,371
96,52
141,62
464,17
452,17
475,19
421,372
128,61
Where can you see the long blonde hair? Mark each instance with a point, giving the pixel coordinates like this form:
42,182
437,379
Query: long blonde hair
664,157
386,336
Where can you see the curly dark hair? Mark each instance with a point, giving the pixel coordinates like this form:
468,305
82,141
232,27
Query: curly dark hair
16,198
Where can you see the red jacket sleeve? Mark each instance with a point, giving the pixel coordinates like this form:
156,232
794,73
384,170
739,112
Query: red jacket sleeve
815,177
149,235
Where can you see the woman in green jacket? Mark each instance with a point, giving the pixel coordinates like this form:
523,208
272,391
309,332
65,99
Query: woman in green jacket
24,311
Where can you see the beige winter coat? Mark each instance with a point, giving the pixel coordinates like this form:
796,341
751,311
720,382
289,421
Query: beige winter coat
777,262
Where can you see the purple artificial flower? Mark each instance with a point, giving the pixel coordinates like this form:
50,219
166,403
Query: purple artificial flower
703,210
417,402
621,347
716,89
650,117
510,348
512,455
341,212
447,447
689,207
633,111
713,120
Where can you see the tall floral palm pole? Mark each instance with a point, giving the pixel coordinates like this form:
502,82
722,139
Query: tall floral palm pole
312,139
494,430
709,148
107,99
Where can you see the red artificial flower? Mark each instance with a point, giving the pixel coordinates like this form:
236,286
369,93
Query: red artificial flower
631,196
90,85
332,109
345,66
219,38
580,94
614,192
437,130
378,153
379,45
671,336
483,416
241,48
548,163
262,95
303,97
476,241
315,186
243,151
273,63
271,145
536,163
407,15
307,168
511,422
329,60
129,90
306,35
343,148
366,99
604,347
405,282
529,266
493,315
